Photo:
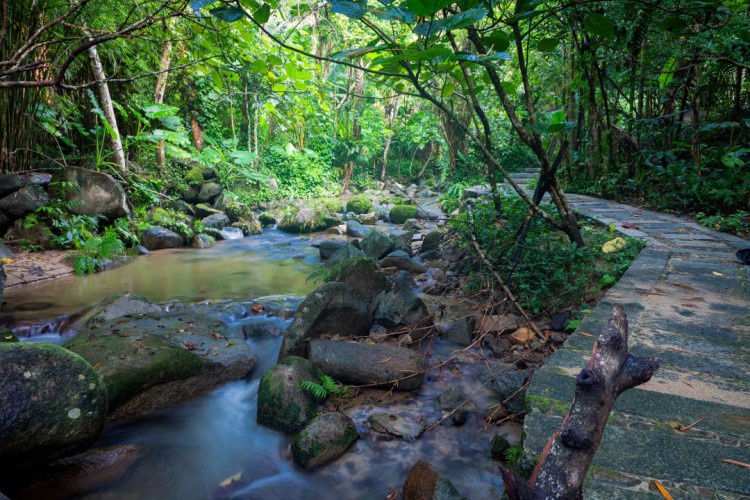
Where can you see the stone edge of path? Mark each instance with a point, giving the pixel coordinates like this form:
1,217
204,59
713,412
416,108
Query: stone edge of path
639,445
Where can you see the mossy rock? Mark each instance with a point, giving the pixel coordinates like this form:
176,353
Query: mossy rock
283,404
360,204
114,307
194,176
235,210
249,225
307,220
401,213
323,440
364,275
267,219
54,403
7,336
203,240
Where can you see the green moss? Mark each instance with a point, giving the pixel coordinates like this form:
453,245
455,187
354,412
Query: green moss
236,210
360,204
547,405
401,213
194,177
306,448
7,336
282,407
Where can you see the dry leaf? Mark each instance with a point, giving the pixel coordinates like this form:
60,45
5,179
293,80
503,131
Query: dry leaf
228,481
662,490
6,260
614,245
717,274
682,286
735,462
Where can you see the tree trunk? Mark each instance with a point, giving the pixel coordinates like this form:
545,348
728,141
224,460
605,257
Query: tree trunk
161,87
105,101
611,370
391,117
197,132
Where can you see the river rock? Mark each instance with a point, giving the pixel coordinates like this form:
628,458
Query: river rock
261,329
458,331
307,220
385,365
376,244
426,483
347,252
120,305
98,194
333,309
356,229
401,261
401,241
216,221
11,183
408,426
209,191
498,447
159,237
412,225
283,404
457,404
401,213
53,403
400,305
202,210
329,247
202,240
364,275
324,439
249,225
231,233
158,359
431,242
369,219
506,380
24,201
523,335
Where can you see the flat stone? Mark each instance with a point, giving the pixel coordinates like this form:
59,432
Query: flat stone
406,426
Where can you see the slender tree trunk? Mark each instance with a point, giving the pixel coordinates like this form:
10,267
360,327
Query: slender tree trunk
161,87
248,118
256,116
105,100
391,117
197,132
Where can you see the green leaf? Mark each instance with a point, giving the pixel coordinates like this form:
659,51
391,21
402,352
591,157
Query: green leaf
448,90
460,20
393,13
279,88
160,110
667,72
425,8
228,14
199,4
359,51
547,44
497,41
262,14
354,9
300,85
600,25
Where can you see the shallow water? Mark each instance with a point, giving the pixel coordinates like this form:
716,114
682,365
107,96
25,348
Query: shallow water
186,451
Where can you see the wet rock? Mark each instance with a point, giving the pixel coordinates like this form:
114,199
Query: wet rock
158,359
54,403
495,323
458,331
401,242
202,240
116,306
426,483
328,247
412,225
256,330
231,233
456,403
495,343
401,213
157,238
408,426
323,440
498,448
354,228
431,242
24,201
282,402
209,191
97,194
364,275
141,250
249,225
401,261
267,219
376,244
558,337
369,219
333,309
560,321
307,220
11,183
202,210
507,381
184,207
400,305
360,204
347,252
358,364
216,221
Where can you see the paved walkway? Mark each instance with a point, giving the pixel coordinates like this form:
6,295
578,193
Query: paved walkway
688,303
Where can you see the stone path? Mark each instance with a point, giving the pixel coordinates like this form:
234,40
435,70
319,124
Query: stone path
688,303
35,267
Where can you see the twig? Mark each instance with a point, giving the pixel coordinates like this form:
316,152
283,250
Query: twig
735,462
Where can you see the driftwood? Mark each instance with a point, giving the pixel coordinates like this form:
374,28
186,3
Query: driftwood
568,454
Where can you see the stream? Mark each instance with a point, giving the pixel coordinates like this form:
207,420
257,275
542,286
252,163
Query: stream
189,450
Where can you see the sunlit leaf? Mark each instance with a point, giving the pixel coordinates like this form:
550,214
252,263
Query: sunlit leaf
667,72
262,14
279,88
458,21
448,89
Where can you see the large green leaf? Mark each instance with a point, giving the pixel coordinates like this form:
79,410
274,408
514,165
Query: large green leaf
228,14
425,8
460,20
160,110
393,13
436,53
262,14
667,73
497,41
199,4
354,9
547,44
600,25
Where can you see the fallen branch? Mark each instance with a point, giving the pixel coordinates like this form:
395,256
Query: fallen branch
566,458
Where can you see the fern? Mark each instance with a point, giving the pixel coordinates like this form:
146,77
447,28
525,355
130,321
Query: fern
317,390
324,387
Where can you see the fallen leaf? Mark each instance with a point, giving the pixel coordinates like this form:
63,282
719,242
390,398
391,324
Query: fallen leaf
682,286
7,261
717,274
630,225
662,490
588,335
256,308
735,462
614,245
229,344
683,428
186,344
231,479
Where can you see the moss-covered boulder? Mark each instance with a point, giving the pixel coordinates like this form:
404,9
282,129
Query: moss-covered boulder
116,306
359,204
194,176
282,402
235,209
307,219
376,244
323,440
203,210
53,403
203,240
364,275
155,360
217,221
158,237
401,213
209,191
249,225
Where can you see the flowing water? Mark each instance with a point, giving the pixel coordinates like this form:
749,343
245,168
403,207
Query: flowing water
189,450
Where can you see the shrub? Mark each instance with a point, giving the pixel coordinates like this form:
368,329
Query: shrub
360,204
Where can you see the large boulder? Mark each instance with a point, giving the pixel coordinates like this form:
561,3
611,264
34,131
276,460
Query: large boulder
324,439
333,309
357,229
202,210
13,182
426,483
401,213
209,191
282,402
401,261
364,275
231,233
53,403
384,365
157,238
328,247
346,252
116,306
216,221
359,204
400,306
376,244
24,201
431,242
155,360
97,194
307,220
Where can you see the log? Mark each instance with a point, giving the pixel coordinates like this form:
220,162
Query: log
567,456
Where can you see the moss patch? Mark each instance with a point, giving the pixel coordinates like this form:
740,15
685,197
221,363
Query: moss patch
360,204
401,213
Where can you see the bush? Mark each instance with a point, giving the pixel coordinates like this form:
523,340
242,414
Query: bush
401,213
360,204
300,174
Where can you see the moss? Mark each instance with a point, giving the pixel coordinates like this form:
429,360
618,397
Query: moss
235,210
333,205
401,213
306,448
279,406
360,204
547,405
194,177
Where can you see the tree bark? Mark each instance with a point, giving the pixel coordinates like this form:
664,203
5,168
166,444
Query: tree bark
566,458
161,87
105,100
